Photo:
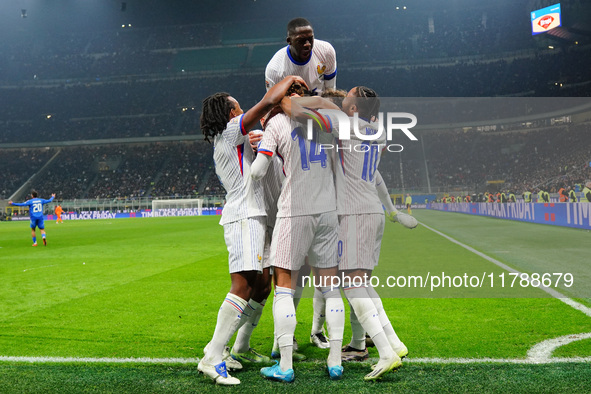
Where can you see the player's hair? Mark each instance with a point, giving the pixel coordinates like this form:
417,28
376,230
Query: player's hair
298,89
368,103
335,95
34,193
295,23
214,114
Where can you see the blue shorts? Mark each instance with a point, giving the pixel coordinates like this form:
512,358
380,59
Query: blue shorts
38,223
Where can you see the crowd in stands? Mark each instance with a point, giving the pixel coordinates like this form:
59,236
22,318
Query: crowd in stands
129,83
456,160
522,160
166,170
16,166
132,51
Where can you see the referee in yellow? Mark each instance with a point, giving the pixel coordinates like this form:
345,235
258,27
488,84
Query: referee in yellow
408,203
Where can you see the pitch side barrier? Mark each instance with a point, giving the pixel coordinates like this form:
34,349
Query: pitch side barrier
148,213
576,215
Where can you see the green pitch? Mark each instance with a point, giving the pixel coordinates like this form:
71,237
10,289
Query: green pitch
151,288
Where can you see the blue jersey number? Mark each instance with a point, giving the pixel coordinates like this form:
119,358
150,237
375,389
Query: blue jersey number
37,207
370,161
309,149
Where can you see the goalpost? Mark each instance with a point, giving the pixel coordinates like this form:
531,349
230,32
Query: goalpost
194,205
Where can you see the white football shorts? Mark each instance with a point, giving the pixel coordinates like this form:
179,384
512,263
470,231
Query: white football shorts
296,237
245,240
360,239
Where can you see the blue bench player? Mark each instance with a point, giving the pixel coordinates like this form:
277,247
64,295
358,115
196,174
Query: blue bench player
35,205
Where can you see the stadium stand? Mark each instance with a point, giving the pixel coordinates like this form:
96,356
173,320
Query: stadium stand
147,84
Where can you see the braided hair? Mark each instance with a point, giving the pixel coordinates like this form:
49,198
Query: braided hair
369,105
215,114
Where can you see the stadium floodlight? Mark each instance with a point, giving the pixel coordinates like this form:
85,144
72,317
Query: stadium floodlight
23,13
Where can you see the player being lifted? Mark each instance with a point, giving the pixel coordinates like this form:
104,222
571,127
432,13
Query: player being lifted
243,217
35,205
306,226
315,61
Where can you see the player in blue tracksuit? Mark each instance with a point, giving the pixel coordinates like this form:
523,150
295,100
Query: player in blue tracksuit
35,205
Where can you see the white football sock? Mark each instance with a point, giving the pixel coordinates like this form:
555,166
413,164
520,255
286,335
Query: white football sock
230,316
335,322
357,331
297,296
319,305
385,322
369,318
284,316
242,343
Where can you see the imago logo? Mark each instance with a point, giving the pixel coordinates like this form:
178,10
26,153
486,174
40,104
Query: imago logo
368,133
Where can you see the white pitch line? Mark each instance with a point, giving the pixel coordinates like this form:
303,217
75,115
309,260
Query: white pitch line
570,302
102,360
544,349
195,361
36,268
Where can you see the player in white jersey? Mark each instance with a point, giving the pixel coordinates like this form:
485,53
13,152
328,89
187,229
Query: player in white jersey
243,218
306,226
361,225
313,60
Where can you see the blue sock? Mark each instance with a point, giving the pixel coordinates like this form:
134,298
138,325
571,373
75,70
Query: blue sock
34,240
43,235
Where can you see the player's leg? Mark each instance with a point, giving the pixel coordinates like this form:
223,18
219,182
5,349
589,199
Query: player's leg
245,243
33,234
323,258
347,256
284,318
356,291
317,337
41,224
395,342
284,315
241,350
291,239
356,350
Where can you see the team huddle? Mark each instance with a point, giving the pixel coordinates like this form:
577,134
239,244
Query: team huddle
292,205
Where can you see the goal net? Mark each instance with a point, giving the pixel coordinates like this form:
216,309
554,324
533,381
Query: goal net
188,207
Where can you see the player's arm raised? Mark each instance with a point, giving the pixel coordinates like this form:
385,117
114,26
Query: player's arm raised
298,108
270,99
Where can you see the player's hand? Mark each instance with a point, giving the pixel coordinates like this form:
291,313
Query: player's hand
278,91
254,137
9,202
53,195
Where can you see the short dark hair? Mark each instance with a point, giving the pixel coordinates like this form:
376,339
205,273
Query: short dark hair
34,193
298,89
295,23
214,114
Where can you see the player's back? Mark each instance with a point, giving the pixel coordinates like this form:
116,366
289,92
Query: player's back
309,185
35,208
356,184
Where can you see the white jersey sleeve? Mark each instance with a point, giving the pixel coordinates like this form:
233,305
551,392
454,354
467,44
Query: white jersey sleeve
233,157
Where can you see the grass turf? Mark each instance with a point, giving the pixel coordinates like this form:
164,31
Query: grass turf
310,377
152,287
